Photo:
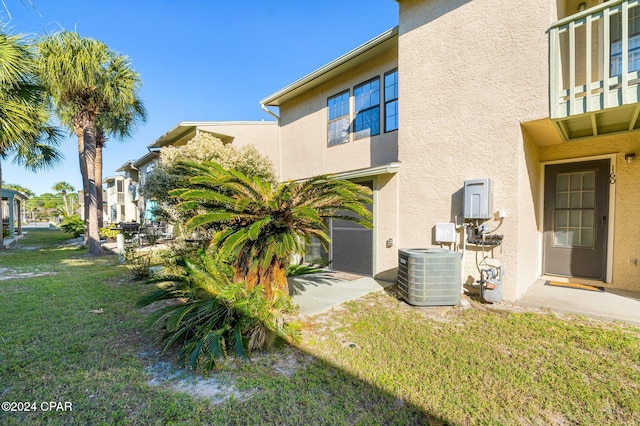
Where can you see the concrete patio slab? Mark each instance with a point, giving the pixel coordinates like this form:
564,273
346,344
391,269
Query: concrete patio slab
315,293
611,304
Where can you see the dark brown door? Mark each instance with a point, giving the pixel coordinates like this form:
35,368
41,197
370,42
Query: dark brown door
576,209
352,245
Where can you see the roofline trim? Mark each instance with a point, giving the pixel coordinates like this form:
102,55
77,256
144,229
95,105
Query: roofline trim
390,168
387,35
195,124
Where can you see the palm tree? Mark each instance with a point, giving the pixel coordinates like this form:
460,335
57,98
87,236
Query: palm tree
260,225
24,130
63,188
23,3
87,81
120,125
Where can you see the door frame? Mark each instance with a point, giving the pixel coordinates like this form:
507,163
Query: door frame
611,220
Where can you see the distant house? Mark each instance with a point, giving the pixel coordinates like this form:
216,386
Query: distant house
11,208
119,205
540,98
134,175
263,135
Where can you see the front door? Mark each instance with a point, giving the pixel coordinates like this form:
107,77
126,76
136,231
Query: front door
576,209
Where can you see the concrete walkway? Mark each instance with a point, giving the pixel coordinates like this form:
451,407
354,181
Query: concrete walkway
315,293
610,304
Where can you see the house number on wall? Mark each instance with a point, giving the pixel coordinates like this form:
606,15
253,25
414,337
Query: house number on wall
612,175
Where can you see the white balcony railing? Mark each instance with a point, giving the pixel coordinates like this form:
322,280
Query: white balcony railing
595,59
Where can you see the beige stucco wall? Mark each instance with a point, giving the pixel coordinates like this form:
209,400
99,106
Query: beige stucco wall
304,151
626,240
263,135
470,73
303,131
385,226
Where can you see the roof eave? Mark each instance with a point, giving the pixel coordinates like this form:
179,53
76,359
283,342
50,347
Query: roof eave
274,99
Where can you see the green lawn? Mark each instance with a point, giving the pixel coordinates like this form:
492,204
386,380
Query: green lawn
373,361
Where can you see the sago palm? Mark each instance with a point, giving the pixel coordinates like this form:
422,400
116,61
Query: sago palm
88,81
24,130
262,225
214,316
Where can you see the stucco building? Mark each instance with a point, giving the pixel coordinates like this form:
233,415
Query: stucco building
539,97
136,207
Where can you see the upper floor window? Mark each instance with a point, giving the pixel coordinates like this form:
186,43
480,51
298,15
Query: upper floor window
634,41
367,109
391,101
338,106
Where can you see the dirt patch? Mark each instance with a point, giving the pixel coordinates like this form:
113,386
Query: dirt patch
220,386
12,274
217,388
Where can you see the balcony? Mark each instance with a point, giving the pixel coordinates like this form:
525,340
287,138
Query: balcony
595,70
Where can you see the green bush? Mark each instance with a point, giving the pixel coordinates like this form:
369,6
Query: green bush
139,263
295,270
73,225
109,232
214,317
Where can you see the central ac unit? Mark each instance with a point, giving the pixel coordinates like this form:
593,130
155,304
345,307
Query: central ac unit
429,277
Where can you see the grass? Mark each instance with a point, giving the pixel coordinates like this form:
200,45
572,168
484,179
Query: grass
373,361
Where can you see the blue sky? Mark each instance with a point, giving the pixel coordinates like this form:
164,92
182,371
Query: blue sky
199,60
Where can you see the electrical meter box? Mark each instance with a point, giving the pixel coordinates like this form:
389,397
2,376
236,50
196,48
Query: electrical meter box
478,203
445,232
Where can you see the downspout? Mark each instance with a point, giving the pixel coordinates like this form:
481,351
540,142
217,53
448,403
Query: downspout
268,111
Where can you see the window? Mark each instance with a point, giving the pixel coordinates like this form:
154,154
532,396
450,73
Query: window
119,186
367,109
391,101
338,106
634,41
575,209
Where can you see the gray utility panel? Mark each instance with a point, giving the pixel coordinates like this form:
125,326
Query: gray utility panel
478,200
429,276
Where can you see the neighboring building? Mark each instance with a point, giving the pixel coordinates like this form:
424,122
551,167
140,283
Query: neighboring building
135,173
119,206
261,134
12,203
462,90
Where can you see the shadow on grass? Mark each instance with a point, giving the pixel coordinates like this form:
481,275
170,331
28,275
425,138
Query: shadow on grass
78,337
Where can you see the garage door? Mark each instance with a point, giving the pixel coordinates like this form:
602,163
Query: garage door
352,245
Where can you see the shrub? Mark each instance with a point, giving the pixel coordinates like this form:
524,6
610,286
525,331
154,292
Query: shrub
109,232
73,225
213,316
295,270
204,147
261,225
139,263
